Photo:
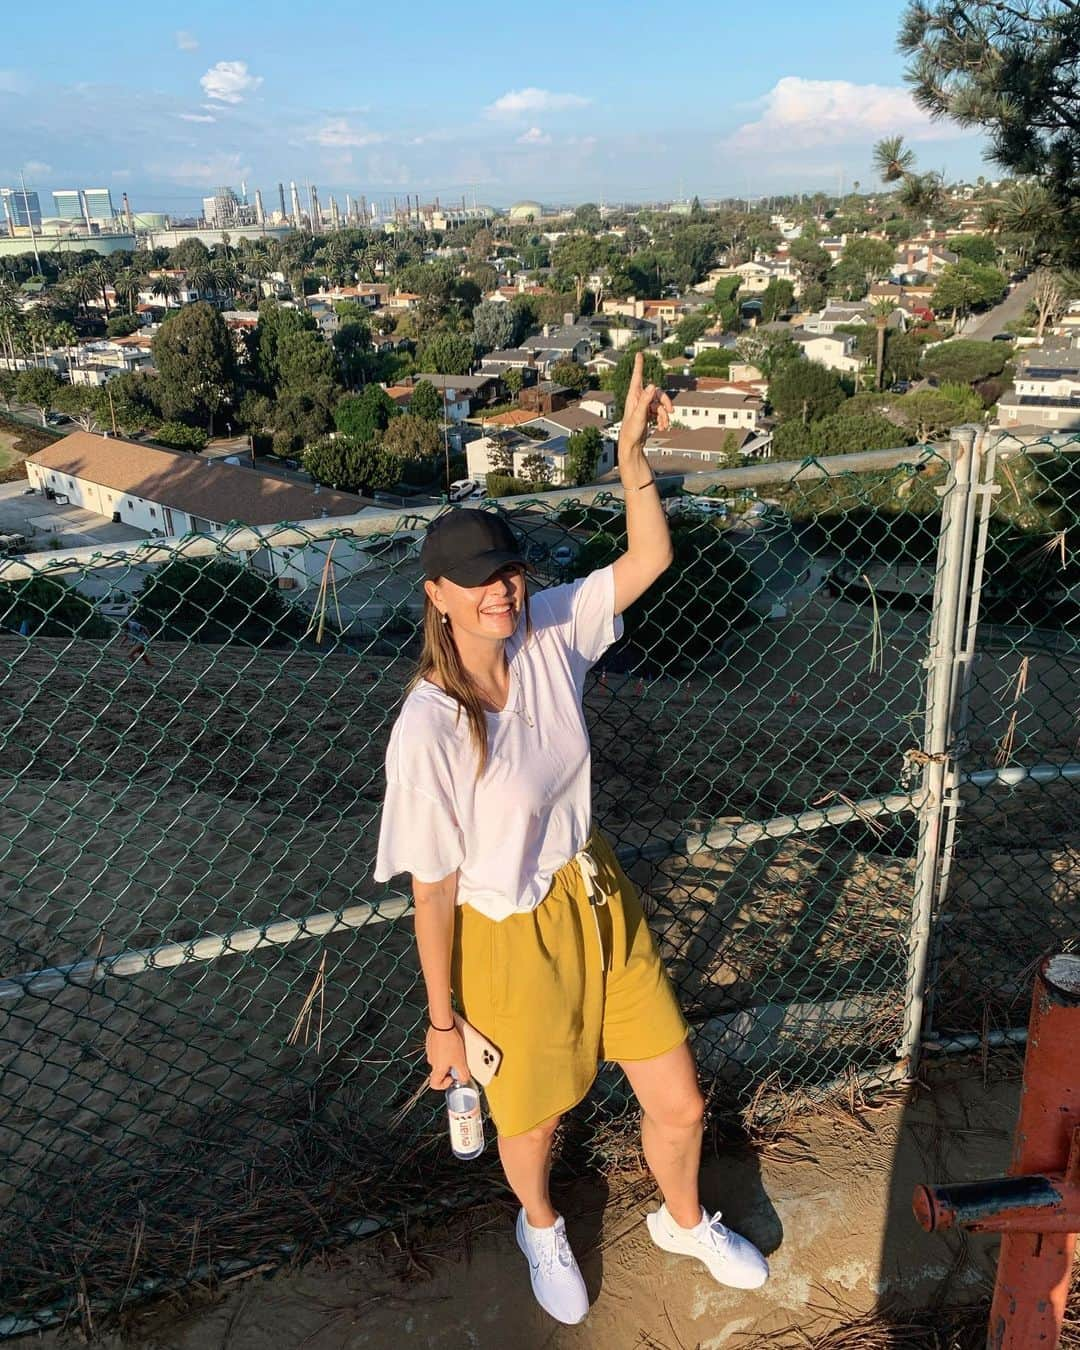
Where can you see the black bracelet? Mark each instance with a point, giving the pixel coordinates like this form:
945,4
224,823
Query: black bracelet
642,486
432,1025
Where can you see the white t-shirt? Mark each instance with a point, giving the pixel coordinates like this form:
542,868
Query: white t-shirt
508,832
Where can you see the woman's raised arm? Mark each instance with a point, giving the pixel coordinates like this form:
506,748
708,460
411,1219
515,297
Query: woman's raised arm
648,540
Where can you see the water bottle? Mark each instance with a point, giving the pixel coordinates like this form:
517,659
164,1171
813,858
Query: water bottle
466,1118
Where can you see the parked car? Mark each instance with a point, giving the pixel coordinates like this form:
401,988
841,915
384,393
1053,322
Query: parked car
563,555
116,605
464,488
1003,337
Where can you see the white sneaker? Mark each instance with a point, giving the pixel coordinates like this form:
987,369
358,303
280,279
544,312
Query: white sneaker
556,1279
731,1259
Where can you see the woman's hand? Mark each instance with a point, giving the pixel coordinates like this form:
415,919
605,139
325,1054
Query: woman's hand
645,404
445,1051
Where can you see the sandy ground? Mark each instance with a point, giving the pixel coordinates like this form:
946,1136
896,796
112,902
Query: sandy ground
827,1197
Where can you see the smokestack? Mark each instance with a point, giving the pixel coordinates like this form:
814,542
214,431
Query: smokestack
281,201
127,214
363,204
243,191
297,218
316,213
348,207
260,217
85,209
335,215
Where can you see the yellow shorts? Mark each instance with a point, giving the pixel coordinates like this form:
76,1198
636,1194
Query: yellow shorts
535,984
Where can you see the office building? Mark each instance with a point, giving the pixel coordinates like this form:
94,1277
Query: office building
21,208
67,204
99,205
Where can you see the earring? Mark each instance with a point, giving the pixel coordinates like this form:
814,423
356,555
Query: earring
445,618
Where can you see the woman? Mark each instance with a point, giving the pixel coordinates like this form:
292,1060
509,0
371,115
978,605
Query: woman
523,915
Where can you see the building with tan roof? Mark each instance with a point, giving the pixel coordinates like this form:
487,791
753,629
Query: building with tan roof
167,492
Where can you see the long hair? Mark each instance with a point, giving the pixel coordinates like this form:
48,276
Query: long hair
440,662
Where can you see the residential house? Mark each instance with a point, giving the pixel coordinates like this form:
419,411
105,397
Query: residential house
912,301
836,351
554,446
620,330
545,397
599,402
497,363
834,245
403,300
709,445
914,260
603,362
754,277
697,408
101,361
1046,390
463,395
571,342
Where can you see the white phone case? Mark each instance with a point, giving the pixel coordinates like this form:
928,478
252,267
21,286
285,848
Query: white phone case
482,1058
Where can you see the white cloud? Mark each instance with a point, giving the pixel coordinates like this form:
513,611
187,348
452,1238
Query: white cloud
339,134
185,41
519,102
798,113
229,82
204,172
196,117
534,136
36,168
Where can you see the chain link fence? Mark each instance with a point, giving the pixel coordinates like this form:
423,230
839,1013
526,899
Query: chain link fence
211,1018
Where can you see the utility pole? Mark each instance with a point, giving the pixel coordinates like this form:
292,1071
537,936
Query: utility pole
30,221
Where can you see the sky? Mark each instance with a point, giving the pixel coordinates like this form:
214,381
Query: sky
558,102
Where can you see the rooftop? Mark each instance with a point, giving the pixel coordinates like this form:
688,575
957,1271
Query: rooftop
205,488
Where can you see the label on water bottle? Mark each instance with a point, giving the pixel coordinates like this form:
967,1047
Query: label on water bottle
466,1130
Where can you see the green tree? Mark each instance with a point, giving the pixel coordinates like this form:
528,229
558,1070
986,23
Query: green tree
570,375
930,413
966,361
302,414
122,325
513,379
536,470
362,416
195,359
811,261
1013,70
409,437
494,326
776,299
48,607
653,374
38,387
180,436
583,451
976,248
276,324
426,401
805,390
134,400
211,600
864,262
575,259
443,353
838,434
352,346
86,404
351,465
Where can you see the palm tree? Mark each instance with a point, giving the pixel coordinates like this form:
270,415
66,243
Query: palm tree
892,159
882,311
166,287
922,193
83,288
64,335
102,276
1026,210
226,276
203,278
127,285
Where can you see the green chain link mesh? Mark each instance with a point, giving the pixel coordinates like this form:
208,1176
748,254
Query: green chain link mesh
211,1018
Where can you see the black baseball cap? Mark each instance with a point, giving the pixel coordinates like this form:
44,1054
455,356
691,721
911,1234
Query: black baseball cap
468,546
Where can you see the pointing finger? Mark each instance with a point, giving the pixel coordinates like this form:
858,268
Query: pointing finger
636,374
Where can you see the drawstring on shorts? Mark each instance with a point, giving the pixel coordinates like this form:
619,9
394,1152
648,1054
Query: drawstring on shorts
590,875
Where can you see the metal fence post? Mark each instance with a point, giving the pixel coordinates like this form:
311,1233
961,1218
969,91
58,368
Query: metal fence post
946,643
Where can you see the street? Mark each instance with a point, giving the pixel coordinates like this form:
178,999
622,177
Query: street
982,327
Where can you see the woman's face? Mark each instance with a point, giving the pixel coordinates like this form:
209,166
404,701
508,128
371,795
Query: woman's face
488,611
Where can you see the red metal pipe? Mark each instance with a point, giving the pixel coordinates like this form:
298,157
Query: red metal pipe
1037,1208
